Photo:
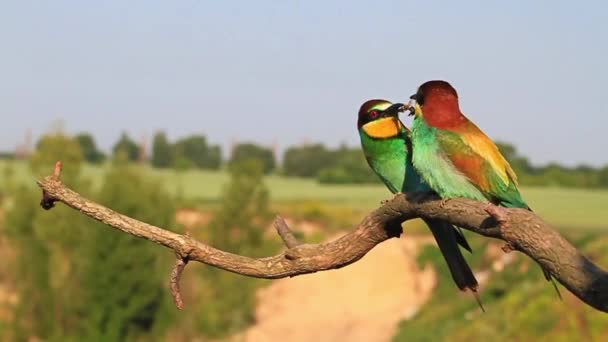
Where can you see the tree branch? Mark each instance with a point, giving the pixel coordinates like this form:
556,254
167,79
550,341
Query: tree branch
521,229
285,233
176,275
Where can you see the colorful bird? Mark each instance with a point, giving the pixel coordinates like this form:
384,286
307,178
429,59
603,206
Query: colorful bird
388,150
454,157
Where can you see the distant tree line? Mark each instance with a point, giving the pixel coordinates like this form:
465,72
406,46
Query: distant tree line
189,152
340,165
192,151
554,174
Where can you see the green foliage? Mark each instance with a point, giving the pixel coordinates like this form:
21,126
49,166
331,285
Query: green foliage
76,277
127,146
122,275
213,159
186,153
238,227
33,277
161,151
348,166
603,177
306,161
53,147
7,156
553,174
51,282
242,152
341,166
89,148
193,151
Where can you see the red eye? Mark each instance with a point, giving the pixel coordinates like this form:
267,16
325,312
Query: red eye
373,114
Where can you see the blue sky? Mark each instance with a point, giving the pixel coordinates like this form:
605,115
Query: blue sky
532,73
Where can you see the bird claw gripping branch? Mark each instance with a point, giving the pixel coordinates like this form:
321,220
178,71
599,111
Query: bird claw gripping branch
48,202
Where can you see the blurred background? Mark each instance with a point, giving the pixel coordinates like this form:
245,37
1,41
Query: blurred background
211,118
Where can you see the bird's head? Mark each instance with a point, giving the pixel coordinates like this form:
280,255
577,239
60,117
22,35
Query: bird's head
380,118
434,98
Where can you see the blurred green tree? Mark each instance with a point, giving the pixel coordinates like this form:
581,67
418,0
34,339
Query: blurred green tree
307,160
603,177
53,147
196,152
7,155
126,144
162,154
79,280
348,166
246,151
238,227
123,277
89,148
213,161
48,249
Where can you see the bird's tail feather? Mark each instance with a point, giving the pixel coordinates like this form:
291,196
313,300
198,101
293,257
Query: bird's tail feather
550,278
462,241
445,235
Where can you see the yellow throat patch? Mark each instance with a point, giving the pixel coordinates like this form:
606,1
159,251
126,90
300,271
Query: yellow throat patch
417,110
383,128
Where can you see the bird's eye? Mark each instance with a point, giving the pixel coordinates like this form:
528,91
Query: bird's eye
373,114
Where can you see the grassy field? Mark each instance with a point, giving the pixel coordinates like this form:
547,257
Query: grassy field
564,208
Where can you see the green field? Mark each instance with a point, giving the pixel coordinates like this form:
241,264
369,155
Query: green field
564,208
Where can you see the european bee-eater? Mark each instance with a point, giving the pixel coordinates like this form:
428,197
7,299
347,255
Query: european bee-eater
454,157
387,147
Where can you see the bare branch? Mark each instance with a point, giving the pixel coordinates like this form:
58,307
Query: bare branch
285,233
176,275
521,229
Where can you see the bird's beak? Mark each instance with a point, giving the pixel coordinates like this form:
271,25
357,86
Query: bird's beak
411,106
395,109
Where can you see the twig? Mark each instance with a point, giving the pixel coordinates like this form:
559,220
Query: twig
176,275
285,233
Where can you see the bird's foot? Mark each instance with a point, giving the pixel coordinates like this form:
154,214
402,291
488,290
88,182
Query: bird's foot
418,196
394,229
383,202
508,247
498,213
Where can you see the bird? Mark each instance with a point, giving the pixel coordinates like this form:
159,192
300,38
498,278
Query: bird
456,158
387,148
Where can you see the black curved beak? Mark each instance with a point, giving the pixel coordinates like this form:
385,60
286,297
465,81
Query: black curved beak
394,110
410,107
